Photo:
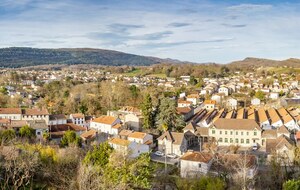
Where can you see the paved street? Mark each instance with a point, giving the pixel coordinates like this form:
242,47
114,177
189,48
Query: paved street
162,159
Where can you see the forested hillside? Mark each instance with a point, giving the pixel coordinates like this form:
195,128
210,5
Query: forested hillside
22,57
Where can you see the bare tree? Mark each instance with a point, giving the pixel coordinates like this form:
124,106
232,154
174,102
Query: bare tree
19,167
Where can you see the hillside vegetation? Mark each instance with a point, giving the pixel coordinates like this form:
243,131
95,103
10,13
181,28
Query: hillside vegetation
21,57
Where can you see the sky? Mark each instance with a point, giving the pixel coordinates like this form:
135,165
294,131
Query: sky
199,31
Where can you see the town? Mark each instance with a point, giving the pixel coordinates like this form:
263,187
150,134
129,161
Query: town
238,126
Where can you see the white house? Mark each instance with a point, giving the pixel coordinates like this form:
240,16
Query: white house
193,164
173,143
11,113
35,114
274,95
217,97
57,119
224,90
194,98
210,104
107,124
130,148
184,103
255,102
232,103
139,137
78,119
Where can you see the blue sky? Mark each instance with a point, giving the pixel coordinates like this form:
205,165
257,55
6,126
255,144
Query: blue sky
188,30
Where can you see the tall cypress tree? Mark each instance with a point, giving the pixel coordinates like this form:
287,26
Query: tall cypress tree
147,112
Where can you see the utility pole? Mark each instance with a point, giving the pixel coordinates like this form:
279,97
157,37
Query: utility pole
165,147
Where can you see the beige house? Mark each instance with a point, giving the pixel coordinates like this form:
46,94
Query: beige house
11,113
174,142
242,132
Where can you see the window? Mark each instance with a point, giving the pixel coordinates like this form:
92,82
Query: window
242,133
213,131
236,140
242,141
38,133
255,133
247,133
231,132
236,133
247,141
231,140
226,140
220,132
220,140
225,132
199,165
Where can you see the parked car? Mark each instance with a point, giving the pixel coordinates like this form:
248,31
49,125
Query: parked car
254,147
172,156
158,153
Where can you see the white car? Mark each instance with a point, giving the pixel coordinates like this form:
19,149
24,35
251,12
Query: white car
172,156
158,153
254,147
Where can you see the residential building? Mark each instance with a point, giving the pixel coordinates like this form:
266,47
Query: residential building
107,124
130,148
242,132
78,119
193,164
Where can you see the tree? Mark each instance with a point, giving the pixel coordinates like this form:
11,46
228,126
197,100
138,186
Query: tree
193,81
168,115
7,135
69,138
147,112
27,132
260,95
99,155
291,185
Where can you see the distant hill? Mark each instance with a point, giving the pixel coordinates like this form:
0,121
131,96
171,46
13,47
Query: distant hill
257,62
22,57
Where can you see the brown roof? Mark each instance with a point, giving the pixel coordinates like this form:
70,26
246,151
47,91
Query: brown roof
287,118
180,101
191,126
137,135
283,130
202,131
77,115
234,159
203,157
4,121
210,102
183,110
119,141
17,123
10,111
273,115
175,137
240,113
125,132
236,124
193,96
36,111
89,134
269,134
57,116
66,127
117,126
276,144
252,114
229,114
282,112
262,116
109,120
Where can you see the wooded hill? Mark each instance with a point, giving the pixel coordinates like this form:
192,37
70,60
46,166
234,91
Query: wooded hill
21,57
16,57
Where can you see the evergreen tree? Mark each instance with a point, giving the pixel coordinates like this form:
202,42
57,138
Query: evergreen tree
168,116
147,112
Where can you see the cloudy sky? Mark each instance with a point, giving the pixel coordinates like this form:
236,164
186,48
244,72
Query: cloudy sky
189,30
